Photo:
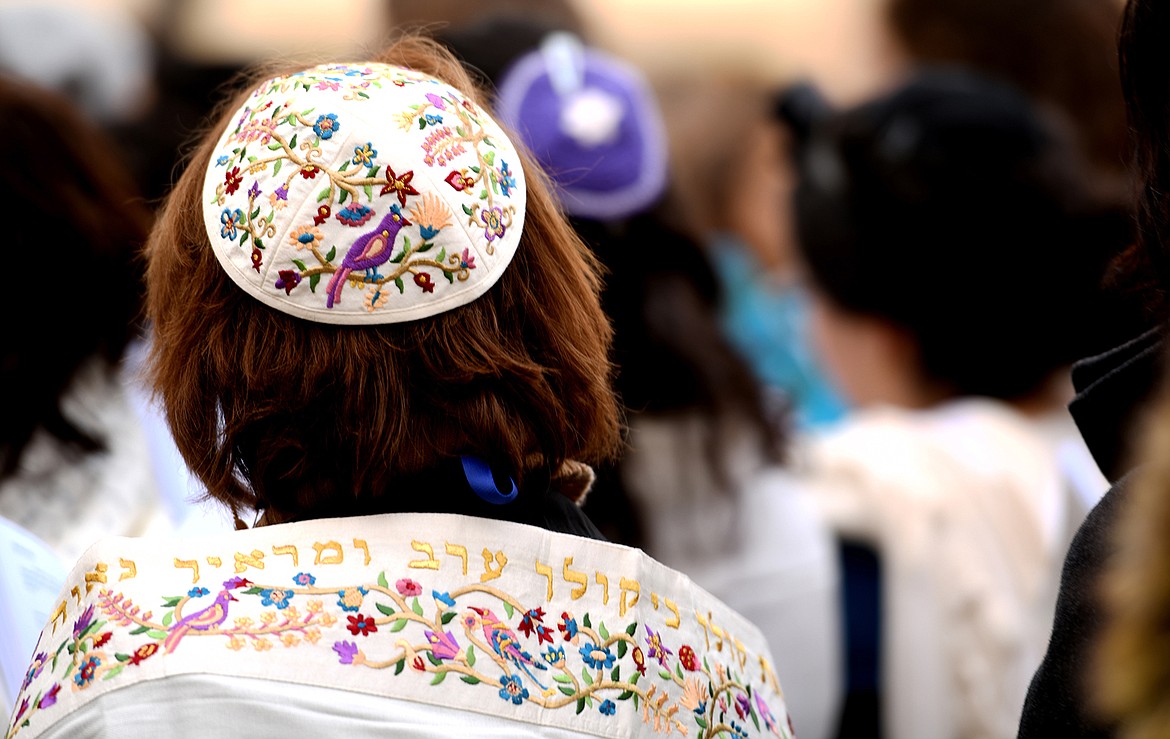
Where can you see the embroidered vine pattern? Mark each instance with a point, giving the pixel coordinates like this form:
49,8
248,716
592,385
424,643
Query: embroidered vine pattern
373,249
522,657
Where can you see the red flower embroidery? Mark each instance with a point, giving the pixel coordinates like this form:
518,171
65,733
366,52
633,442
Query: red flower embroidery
322,215
459,180
686,655
232,180
101,640
257,259
309,171
423,280
144,652
363,624
400,185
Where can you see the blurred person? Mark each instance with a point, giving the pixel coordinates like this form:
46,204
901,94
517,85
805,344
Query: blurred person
1115,395
953,254
1061,53
398,362
699,485
727,129
74,465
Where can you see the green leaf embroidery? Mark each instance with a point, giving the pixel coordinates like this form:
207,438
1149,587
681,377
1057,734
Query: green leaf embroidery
416,607
133,632
341,198
243,238
483,194
113,673
625,696
399,665
324,194
585,620
434,660
300,265
450,277
562,678
439,678
276,167
374,170
665,675
382,579
586,677
344,166
470,679
399,625
678,669
122,657
422,123
425,246
292,143
172,602
447,617
622,647
566,689
508,609
468,210
701,722
602,631
490,158
156,634
470,655
459,131
475,168
634,678
616,675
385,609
580,705
369,192
313,280
398,284
442,255
168,618
258,243
331,255
274,146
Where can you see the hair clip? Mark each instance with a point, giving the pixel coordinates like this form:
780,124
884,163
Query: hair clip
483,482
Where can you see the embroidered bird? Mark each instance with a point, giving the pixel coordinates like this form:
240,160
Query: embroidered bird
503,640
210,617
370,251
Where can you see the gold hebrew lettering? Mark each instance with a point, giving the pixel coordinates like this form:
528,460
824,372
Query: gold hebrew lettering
364,547
290,550
575,576
460,551
244,561
430,563
545,570
189,564
489,572
628,586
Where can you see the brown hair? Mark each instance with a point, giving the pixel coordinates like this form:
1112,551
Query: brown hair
77,215
306,420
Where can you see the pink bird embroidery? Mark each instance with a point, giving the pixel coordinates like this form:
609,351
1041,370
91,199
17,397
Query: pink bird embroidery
210,617
503,640
370,251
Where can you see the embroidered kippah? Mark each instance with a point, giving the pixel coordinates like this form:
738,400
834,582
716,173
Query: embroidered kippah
593,124
363,194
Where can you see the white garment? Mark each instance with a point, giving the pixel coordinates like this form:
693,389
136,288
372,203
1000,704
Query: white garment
756,542
70,499
353,627
971,513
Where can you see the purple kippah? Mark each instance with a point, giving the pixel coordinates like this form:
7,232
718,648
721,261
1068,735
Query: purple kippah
592,122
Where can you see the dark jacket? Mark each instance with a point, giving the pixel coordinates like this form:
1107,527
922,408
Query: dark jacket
1112,389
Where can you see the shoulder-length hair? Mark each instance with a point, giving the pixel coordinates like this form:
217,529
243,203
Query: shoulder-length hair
304,420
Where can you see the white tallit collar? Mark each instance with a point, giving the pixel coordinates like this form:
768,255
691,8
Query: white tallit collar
478,615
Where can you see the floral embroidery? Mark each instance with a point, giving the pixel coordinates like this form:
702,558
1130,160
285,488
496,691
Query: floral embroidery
400,185
657,650
303,579
351,599
144,652
275,597
346,651
364,155
597,657
607,707
87,671
197,592
275,140
326,125
687,658
305,237
361,624
355,214
408,587
493,222
287,280
512,689
231,221
443,645
232,180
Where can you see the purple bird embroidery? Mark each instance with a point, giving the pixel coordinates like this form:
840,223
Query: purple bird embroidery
503,640
369,252
210,617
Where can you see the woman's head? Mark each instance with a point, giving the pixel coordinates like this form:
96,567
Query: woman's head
77,223
305,418
948,215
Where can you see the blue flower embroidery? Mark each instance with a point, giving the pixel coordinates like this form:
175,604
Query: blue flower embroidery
351,599
554,655
607,707
275,597
231,221
197,592
433,119
596,656
304,579
507,181
88,670
326,125
444,598
222,161
511,689
363,155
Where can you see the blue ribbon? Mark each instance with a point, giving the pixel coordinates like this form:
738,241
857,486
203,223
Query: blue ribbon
479,477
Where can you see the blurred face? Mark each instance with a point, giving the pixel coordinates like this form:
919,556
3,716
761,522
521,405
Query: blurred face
760,212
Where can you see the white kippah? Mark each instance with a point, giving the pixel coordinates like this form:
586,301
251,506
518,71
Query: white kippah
363,194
